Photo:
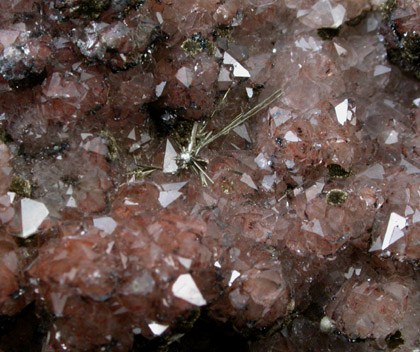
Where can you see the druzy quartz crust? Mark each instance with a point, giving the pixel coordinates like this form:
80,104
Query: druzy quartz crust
209,175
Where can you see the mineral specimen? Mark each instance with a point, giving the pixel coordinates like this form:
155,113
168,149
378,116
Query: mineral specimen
209,175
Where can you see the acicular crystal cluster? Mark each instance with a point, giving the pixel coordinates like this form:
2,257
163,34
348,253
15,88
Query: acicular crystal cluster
174,174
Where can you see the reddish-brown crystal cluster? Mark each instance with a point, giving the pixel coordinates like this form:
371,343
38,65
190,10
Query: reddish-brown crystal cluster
303,231
403,41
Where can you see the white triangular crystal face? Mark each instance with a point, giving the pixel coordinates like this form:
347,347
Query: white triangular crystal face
168,197
301,13
33,214
380,70
408,211
173,186
158,329
109,247
313,226
106,224
376,246
245,178
58,302
145,138
186,262
268,181
262,162
338,13
302,44
314,44
185,76
12,196
416,217
279,116
134,147
159,88
132,134
312,192
309,44
169,162
411,169
70,190
375,172
186,289
341,111
71,203
392,137
291,137
238,69
392,235
233,277
218,54
170,193
85,135
96,145
323,14
124,260
8,37
241,131
340,50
